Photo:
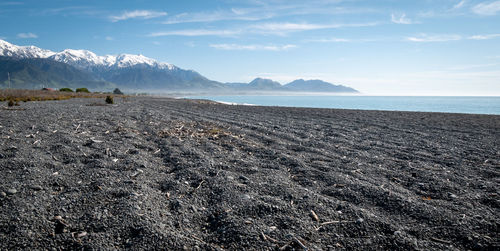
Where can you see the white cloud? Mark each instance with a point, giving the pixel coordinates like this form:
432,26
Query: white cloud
109,38
450,37
434,38
253,47
346,40
190,44
143,14
329,40
288,26
259,10
27,35
484,37
219,15
285,28
459,5
279,29
193,33
401,19
470,66
487,9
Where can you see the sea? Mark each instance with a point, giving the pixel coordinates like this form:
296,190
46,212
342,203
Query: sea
448,104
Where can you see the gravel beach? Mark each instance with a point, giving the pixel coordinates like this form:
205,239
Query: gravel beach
157,173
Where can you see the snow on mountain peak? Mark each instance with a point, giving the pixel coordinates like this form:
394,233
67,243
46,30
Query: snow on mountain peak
127,60
9,50
80,58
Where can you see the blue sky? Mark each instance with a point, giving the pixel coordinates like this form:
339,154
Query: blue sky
393,47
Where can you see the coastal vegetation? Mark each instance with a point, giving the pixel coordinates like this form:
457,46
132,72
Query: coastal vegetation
17,95
83,89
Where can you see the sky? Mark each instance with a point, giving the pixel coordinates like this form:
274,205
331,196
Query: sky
379,47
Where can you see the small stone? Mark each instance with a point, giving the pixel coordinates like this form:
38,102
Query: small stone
36,187
137,173
246,197
397,233
244,178
58,217
81,234
11,191
3,194
360,220
453,196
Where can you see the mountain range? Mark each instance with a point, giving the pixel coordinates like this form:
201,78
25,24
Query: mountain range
30,67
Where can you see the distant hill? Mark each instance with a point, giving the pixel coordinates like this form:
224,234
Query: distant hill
258,84
32,67
145,77
36,73
301,85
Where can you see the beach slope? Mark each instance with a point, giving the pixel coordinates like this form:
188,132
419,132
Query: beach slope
158,173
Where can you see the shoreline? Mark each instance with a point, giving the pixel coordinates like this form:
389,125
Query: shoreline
149,173
277,104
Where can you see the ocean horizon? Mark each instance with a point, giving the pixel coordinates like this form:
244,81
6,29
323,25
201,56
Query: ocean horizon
446,104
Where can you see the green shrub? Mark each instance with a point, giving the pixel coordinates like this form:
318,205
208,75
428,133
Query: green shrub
82,90
117,91
65,90
109,100
11,102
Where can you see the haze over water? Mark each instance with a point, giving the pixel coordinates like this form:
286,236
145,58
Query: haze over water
475,105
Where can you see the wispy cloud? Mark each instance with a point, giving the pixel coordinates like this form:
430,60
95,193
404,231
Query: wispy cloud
27,35
253,47
484,37
142,14
450,37
471,66
400,19
194,33
279,29
487,9
218,15
190,44
260,10
435,38
329,40
346,40
459,5
109,38
457,9
285,28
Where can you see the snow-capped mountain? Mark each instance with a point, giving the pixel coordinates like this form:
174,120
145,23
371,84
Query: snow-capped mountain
82,59
9,50
126,70
32,67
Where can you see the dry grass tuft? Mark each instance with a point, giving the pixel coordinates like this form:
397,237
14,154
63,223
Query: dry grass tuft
18,95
